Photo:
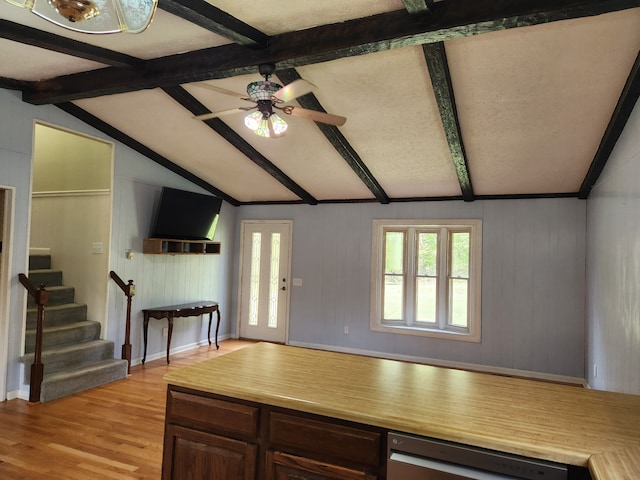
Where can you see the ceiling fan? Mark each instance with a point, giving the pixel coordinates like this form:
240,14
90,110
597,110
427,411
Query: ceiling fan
268,98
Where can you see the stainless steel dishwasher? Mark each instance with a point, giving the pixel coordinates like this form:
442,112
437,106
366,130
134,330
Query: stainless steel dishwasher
417,458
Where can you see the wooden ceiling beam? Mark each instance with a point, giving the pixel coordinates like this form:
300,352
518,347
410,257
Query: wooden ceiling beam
189,102
334,135
13,84
123,138
205,15
56,43
445,20
619,118
436,58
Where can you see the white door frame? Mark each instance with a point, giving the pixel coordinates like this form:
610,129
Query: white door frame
243,223
5,285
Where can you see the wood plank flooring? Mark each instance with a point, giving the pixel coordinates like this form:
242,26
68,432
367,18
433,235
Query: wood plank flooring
109,432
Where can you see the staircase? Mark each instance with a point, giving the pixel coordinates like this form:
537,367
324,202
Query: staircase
74,357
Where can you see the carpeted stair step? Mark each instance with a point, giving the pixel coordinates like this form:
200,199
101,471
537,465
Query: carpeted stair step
57,296
74,357
39,262
67,382
57,315
70,356
63,335
48,277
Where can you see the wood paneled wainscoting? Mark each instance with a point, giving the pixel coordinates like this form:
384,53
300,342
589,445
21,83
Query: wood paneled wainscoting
110,432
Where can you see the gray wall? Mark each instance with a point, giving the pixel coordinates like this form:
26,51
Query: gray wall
16,133
161,280
533,265
532,291
613,267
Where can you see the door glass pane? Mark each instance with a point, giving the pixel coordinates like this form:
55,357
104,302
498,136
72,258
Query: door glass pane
274,280
459,302
426,295
254,289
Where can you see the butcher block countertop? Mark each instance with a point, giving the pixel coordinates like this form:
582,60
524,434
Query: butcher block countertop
560,423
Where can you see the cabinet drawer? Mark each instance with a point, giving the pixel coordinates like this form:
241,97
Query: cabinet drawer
211,414
320,439
281,466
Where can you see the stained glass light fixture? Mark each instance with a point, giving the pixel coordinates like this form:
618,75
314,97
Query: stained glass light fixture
94,16
264,122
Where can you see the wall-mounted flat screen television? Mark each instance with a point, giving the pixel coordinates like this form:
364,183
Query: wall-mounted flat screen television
183,215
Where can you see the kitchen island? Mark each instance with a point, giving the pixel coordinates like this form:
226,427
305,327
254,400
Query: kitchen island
277,410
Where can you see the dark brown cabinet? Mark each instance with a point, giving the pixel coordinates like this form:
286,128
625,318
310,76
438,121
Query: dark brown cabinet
197,456
209,436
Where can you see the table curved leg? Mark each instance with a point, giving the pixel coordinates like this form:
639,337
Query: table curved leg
217,327
145,331
169,337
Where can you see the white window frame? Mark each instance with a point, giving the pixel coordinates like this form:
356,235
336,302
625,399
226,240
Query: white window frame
407,326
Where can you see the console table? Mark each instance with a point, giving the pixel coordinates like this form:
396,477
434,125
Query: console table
175,311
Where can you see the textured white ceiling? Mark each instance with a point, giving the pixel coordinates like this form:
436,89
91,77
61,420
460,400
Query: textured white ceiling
533,104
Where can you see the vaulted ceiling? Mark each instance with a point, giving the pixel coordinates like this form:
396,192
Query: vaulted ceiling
452,99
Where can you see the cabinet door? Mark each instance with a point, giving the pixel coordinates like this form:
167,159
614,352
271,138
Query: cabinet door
194,455
282,466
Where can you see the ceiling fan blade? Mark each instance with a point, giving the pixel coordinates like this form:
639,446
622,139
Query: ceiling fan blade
222,113
295,89
243,96
316,116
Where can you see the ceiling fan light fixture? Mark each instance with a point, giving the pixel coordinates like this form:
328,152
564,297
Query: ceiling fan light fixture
263,124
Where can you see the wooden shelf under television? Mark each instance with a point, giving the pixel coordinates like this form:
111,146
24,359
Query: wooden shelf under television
168,246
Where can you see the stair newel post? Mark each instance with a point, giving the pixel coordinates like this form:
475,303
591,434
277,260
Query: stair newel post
129,290
126,348
41,298
37,368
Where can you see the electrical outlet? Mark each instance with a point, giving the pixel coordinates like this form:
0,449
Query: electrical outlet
595,371
346,329
165,332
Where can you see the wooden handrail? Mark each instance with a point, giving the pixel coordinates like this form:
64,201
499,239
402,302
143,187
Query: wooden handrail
41,297
129,290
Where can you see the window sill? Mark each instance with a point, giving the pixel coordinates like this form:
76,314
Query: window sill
425,332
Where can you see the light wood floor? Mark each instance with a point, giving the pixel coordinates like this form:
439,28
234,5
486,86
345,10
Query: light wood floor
109,432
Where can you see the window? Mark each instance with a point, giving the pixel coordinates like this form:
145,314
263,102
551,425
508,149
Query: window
426,278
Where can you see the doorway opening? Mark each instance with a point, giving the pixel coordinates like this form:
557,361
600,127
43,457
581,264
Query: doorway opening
71,211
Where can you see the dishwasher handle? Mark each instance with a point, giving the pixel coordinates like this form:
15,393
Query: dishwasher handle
401,466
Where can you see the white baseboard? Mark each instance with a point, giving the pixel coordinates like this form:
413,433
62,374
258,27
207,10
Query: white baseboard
21,394
180,349
511,372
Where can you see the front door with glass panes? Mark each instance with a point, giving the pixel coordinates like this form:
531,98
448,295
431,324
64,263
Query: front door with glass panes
264,280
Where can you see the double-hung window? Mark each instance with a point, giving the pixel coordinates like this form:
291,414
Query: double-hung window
426,278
